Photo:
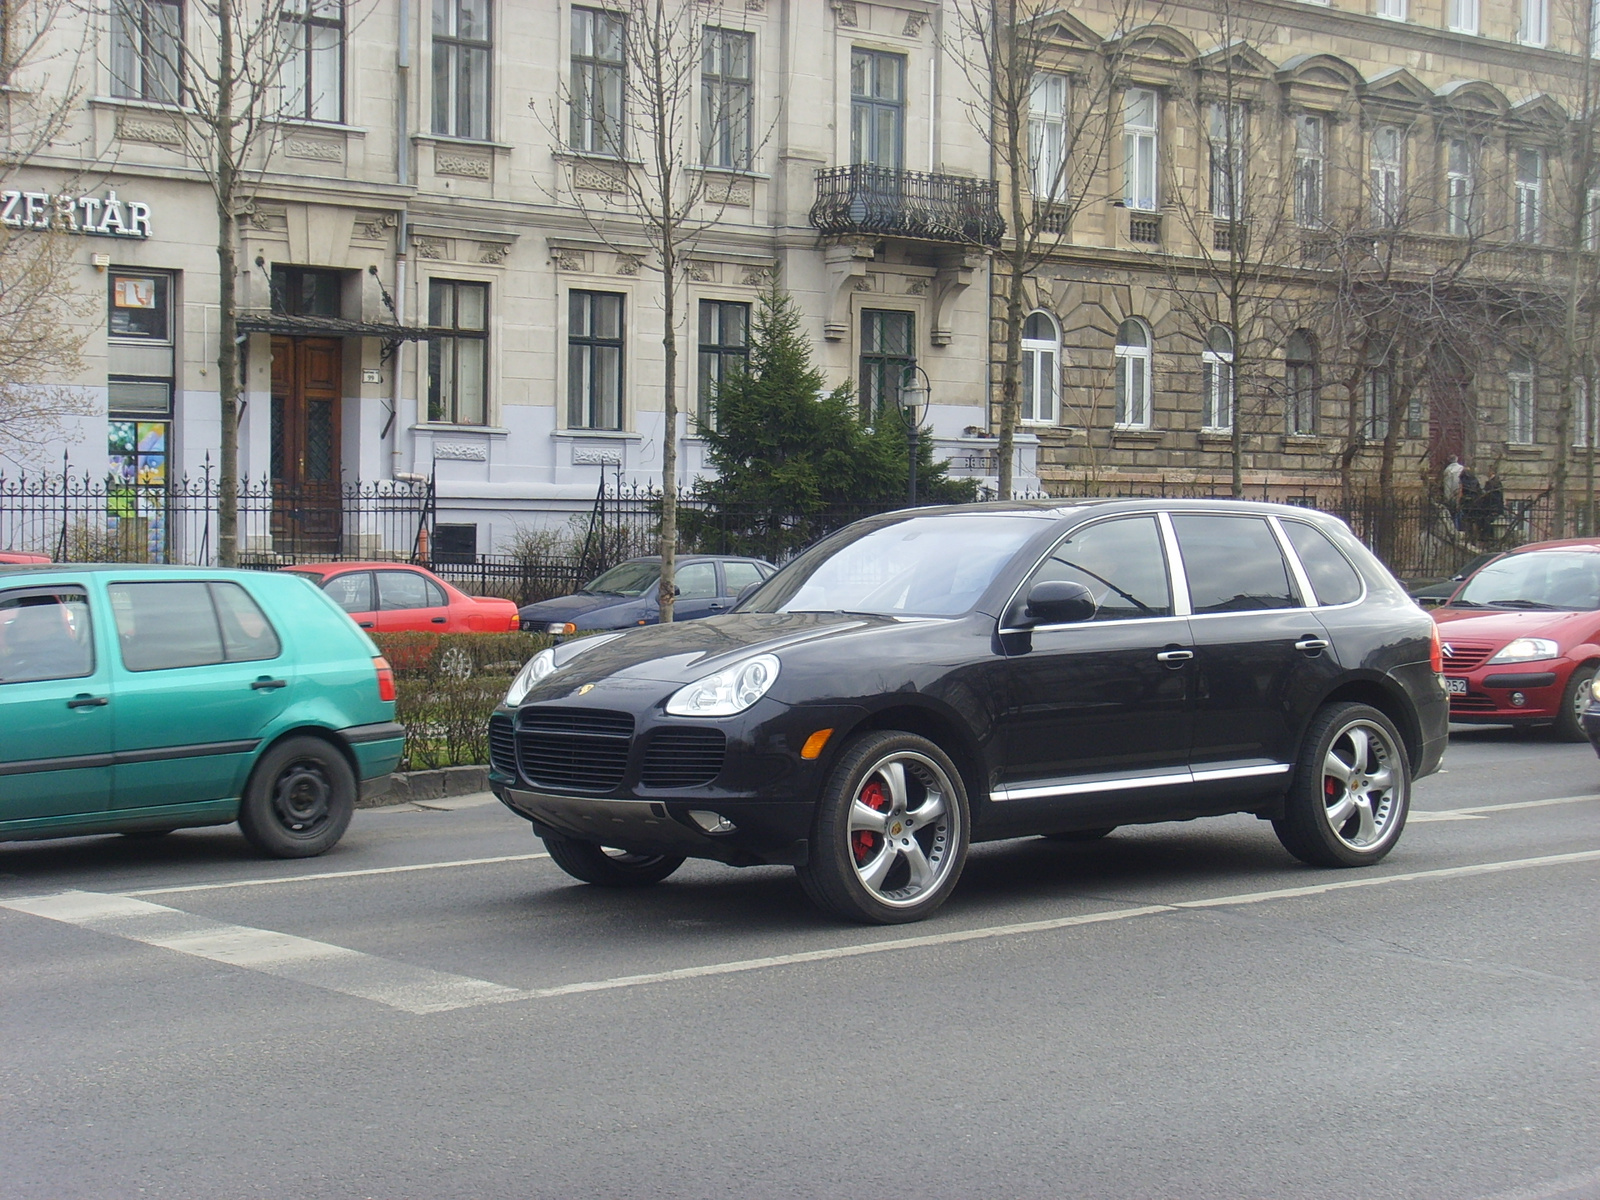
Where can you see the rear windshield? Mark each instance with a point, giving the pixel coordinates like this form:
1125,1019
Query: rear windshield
921,566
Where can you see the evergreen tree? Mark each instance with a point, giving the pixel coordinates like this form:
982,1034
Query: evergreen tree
794,461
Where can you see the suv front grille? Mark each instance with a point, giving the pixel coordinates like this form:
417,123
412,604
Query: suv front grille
683,758
1464,656
502,745
573,749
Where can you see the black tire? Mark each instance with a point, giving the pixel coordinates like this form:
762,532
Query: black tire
904,866
1351,791
593,863
299,800
1569,723
1079,835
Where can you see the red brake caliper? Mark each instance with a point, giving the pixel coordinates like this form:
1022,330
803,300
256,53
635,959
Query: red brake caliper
863,841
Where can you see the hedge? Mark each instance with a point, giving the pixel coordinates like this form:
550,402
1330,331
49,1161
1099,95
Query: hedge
446,686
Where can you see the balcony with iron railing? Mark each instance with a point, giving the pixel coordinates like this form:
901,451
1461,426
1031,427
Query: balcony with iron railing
887,202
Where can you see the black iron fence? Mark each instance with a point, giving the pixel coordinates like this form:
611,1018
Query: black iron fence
78,517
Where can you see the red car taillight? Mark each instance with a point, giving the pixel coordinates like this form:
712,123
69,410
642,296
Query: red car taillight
1435,654
386,678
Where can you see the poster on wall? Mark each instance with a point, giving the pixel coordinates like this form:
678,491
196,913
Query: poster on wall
136,500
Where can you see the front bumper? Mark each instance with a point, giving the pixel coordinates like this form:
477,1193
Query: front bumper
1492,691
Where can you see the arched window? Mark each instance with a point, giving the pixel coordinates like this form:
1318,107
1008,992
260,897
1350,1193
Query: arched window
1041,368
1133,374
1216,381
1300,384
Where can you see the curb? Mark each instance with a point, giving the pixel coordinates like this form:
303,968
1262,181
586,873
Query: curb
424,785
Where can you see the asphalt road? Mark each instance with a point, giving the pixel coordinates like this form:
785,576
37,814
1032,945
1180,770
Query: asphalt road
435,1010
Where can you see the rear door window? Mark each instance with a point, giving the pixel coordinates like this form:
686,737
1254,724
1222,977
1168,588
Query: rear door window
740,575
189,624
1233,563
407,589
45,634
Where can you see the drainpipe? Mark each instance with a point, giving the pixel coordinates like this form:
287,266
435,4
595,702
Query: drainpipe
397,366
402,171
402,131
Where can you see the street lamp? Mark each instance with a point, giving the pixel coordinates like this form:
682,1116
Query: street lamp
913,402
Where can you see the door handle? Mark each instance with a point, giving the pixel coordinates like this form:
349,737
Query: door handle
1174,658
265,684
84,700
441,620
1311,645
366,624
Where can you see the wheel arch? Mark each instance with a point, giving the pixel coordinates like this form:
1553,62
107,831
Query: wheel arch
321,733
1386,697
940,728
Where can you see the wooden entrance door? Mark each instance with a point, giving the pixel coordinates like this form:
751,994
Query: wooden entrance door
307,517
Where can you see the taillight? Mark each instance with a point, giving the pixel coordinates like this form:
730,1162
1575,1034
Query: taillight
385,677
1435,654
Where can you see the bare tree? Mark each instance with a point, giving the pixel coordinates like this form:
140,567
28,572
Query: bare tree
642,70
43,316
1044,85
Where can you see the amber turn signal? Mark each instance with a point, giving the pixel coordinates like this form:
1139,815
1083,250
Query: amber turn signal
815,743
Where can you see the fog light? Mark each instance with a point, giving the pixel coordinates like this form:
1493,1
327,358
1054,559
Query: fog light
711,822
1518,699
561,627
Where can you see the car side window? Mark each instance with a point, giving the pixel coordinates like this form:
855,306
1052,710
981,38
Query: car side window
407,589
1233,563
740,575
247,635
697,581
1332,577
45,635
1122,564
352,592
165,625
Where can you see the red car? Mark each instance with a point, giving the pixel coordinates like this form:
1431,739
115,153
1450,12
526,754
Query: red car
390,597
22,556
1521,638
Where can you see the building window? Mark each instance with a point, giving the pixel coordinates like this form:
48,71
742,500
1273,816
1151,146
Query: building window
1301,388
1591,212
724,350
461,48
1392,10
597,112
594,360
312,79
458,364
1535,29
146,49
1227,160
1047,134
1216,381
1041,369
1388,156
1309,167
1460,174
307,292
1463,15
1519,415
877,108
1379,395
1528,216
888,351
1582,419
1133,374
725,108
1140,108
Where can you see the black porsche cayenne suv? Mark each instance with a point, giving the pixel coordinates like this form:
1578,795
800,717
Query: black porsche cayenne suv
931,677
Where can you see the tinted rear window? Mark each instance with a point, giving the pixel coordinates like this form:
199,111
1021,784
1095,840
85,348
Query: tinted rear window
1332,577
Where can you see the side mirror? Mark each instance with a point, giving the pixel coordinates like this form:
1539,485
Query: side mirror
1058,602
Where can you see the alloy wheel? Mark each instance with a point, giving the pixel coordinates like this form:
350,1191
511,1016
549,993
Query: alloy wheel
1359,784
903,829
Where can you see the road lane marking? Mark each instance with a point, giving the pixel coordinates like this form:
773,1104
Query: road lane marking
420,990
302,960
268,882
1477,812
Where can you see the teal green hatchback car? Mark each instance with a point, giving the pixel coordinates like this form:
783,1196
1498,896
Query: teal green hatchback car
141,699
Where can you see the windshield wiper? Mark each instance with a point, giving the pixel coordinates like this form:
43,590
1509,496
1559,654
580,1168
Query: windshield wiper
1539,604
1465,604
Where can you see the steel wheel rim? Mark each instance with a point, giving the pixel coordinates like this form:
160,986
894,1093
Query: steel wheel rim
903,829
1363,786
301,798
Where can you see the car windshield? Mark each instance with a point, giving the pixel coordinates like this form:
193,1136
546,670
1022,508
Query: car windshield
1554,579
921,566
627,579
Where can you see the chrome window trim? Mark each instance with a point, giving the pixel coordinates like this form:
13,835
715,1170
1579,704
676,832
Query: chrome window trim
1360,575
1038,562
1182,602
1297,569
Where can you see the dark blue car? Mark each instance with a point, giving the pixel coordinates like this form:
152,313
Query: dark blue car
625,596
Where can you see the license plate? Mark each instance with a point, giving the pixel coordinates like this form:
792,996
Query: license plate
1456,687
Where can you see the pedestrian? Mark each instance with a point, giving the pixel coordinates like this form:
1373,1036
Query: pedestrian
1450,482
1488,507
1471,489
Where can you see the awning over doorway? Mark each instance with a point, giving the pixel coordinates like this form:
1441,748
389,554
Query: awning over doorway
259,322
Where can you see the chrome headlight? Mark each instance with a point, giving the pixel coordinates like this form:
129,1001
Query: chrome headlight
728,692
544,664
1527,650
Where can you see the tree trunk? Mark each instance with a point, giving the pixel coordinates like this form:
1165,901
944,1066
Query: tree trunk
227,298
